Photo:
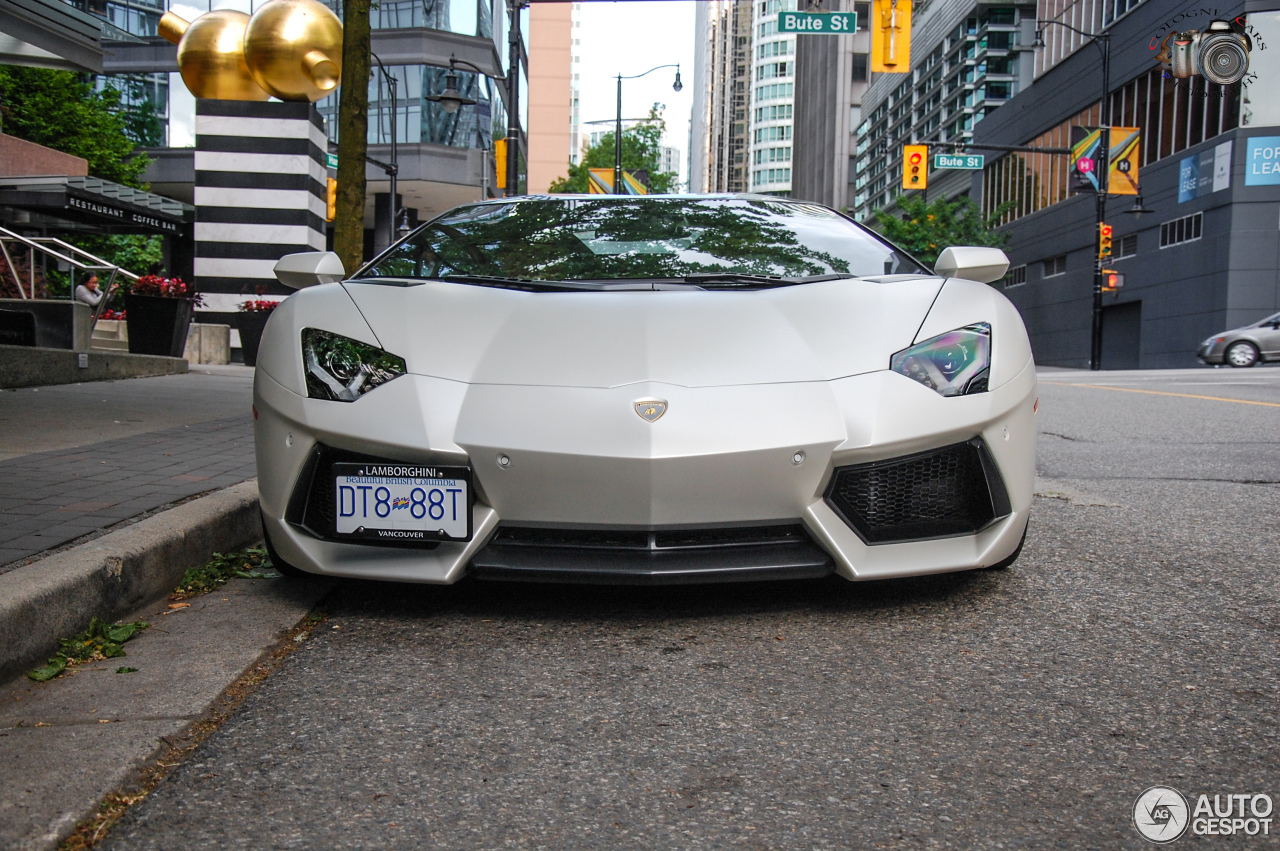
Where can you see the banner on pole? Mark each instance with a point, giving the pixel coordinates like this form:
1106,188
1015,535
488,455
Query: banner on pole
1126,149
1086,145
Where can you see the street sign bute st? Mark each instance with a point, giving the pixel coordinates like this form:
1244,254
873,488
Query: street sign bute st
969,161
814,23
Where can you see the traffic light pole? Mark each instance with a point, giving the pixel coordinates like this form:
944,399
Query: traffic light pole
1104,179
1102,41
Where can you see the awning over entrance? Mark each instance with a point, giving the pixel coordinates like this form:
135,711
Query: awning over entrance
90,204
49,34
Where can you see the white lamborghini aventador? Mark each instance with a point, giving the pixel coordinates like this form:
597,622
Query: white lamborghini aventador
644,389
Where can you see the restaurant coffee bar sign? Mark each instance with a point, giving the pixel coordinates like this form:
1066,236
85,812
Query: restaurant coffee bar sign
131,217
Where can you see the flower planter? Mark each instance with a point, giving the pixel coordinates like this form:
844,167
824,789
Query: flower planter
157,325
251,324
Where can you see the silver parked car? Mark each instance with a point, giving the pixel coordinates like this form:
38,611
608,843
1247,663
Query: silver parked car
1244,346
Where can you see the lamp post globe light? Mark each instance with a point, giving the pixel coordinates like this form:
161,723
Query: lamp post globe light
618,187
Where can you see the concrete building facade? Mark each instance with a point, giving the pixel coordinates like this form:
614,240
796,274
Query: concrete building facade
552,93
719,125
831,79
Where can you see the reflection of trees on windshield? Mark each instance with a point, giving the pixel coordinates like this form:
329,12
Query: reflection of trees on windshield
575,239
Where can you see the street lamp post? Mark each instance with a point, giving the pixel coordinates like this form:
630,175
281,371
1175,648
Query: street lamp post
392,168
1102,41
618,188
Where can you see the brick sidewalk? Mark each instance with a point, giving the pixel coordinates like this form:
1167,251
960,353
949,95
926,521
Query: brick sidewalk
50,498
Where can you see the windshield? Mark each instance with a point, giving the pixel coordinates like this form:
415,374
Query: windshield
611,239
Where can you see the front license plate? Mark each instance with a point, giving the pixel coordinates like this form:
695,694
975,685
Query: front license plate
402,502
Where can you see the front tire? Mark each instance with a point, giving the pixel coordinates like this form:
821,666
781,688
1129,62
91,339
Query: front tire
1241,354
282,567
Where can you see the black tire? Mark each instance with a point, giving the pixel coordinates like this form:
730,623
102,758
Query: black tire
282,567
1014,557
1241,354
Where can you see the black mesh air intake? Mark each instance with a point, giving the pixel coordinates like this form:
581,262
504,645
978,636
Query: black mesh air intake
956,490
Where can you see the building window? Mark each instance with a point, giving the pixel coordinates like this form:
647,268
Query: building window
1178,231
771,175
1055,266
773,134
774,91
1127,246
1017,277
1172,118
860,66
772,155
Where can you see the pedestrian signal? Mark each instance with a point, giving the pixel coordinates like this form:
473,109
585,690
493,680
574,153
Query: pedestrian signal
1112,280
915,166
891,36
500,161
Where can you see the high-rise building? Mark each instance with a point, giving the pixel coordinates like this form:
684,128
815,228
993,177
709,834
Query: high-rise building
552,93
831,79
772,104
719,125
967,60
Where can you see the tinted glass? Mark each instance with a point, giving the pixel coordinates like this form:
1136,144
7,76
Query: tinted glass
575,239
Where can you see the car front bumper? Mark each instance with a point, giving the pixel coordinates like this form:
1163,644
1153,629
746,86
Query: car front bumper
580,458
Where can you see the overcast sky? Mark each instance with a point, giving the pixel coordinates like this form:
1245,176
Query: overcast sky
630,37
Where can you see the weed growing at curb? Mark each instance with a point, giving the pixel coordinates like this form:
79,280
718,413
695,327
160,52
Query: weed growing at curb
246,564
174,751
100,641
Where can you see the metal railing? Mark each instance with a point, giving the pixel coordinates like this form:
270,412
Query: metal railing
64,253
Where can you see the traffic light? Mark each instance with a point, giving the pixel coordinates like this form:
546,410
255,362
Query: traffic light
500,161
331,200
1112,280
891,36
915,166
1104,240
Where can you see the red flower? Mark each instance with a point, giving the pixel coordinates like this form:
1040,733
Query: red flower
154,285
258,306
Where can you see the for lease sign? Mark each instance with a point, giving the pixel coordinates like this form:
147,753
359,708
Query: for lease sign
1262,161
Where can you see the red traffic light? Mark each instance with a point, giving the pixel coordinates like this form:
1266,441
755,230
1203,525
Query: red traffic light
1106,230
915,158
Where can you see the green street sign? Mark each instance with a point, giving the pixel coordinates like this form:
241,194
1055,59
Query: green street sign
969,161
333,160
818,23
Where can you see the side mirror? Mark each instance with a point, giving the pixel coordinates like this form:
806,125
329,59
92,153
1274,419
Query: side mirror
309,268
973,263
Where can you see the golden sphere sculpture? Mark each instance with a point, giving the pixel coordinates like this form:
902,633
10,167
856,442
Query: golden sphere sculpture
211,55
294,49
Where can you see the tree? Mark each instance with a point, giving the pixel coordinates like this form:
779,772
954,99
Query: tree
353,135
63,111
924,229
641,150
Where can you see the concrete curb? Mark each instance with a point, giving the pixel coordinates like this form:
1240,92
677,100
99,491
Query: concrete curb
23,366
115,574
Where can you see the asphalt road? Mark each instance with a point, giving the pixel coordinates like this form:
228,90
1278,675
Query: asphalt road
1134,643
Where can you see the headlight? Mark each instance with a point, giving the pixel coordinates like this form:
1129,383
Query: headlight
956,363
342,369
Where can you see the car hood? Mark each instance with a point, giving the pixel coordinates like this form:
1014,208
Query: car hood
691,338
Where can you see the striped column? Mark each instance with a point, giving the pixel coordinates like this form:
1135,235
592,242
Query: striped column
259,195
